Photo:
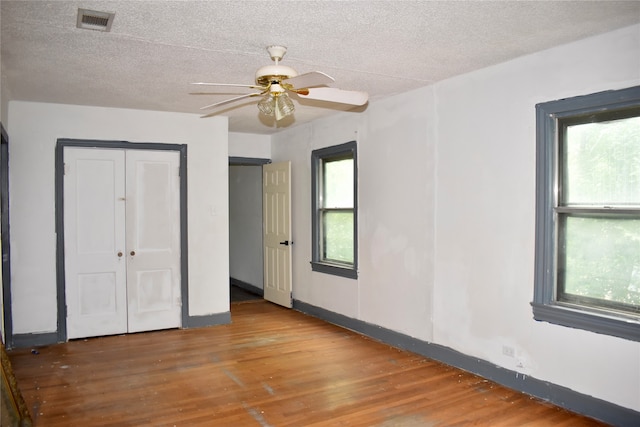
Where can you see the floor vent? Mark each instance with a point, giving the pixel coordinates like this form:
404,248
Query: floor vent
94,20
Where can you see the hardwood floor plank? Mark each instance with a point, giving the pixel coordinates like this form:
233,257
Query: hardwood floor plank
269,367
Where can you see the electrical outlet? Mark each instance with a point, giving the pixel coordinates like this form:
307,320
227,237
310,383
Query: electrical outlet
508,351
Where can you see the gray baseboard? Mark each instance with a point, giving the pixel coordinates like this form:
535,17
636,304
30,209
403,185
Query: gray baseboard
246,286
208,320
34,340
558,395
49,338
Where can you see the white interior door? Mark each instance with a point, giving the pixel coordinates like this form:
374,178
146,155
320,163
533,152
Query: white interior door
122,241
277,232
153,240
95,265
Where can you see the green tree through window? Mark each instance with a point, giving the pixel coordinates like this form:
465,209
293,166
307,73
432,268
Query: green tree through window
602,252
337,213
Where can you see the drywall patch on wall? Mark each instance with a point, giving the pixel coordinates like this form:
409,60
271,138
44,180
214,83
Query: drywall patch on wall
397,166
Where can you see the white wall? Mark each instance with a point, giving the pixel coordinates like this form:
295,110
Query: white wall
4,98
249,145
245,224
33,131
245,208
447,209
485,217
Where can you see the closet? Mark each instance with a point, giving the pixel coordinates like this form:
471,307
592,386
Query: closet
122,240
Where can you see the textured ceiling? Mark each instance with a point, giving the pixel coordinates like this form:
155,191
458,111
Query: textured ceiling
156,48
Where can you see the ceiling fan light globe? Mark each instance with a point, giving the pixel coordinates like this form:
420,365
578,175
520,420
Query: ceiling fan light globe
267,106
284,105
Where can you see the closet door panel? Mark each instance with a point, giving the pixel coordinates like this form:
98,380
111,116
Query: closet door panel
94,224
153,240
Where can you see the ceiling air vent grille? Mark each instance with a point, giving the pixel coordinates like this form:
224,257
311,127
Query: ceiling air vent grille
94,20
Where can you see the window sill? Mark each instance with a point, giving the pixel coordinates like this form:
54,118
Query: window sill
589,321
335,269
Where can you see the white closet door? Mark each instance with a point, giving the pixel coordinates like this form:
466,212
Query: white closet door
153,240
95,264
276,216
122,241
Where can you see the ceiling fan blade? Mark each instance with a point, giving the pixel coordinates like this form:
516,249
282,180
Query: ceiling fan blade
226,101
312,79
218,93
335,95
230,85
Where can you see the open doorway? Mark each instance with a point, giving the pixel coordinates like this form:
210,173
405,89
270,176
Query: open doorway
245,229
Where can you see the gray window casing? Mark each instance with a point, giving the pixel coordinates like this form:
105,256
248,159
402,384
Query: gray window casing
316,157
545,306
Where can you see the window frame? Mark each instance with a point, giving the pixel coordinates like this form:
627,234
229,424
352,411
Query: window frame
348,149
546,306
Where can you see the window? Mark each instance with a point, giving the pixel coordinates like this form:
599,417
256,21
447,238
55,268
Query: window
588,213
334,210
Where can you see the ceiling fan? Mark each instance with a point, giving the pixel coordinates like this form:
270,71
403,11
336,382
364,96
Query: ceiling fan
275,82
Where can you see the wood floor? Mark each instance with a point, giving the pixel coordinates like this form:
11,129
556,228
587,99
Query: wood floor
270,367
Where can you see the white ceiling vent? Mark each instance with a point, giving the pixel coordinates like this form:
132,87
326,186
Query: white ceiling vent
94,20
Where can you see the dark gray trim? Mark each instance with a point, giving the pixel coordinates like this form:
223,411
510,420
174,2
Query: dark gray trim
348,148
59,212
208,320
59,218
323,267
558,395
34,340
94,143
184,235
545,307
248,161
6,242
247,286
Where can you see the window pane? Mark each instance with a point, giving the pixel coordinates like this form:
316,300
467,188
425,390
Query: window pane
602,259
603,163
338,236
338,183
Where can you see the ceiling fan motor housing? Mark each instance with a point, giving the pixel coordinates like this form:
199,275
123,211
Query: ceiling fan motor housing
270,73
274,73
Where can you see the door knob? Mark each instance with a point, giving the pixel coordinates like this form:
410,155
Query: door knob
286,243
119,254
133,253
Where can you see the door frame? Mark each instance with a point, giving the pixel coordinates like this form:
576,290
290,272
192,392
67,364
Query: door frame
6,246
257,162
59,219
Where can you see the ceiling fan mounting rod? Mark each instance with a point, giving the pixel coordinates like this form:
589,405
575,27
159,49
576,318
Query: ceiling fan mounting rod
276,52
